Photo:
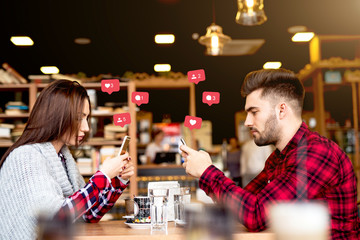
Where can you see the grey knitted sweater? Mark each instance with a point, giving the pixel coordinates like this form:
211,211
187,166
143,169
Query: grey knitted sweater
33,181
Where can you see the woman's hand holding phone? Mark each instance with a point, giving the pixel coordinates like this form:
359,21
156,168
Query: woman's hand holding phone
120,165
128,170
113,167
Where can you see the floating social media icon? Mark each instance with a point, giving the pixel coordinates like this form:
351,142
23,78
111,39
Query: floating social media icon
196,76
140,98
122,119
211,98
110,85
192,122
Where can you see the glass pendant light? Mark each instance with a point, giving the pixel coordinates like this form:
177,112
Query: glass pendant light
214,40
250,12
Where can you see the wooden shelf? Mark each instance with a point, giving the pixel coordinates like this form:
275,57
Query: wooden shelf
159,166
102,142
26,86
338,128
163,83
22,115
6,144
93,85
23,87
329,86
97,85
312,69
109,114
91,143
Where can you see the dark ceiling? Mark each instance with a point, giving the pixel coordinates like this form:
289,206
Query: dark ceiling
122,33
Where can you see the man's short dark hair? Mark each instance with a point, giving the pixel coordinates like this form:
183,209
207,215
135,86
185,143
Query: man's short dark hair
278,83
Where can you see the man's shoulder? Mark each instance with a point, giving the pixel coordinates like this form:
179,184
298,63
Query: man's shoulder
320,145
317,139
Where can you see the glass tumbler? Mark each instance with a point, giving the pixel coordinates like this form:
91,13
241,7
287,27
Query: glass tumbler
187,194
158,209
180,200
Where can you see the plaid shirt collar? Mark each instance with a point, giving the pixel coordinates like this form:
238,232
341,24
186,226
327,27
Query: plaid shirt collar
62,157
294,142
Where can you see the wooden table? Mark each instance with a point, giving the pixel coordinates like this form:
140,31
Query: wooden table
117,230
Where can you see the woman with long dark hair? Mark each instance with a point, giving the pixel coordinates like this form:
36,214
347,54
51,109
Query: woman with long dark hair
38,174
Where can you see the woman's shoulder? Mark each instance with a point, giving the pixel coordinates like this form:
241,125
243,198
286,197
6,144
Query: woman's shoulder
31,150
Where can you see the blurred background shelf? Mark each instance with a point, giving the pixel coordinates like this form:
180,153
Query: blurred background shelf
10,116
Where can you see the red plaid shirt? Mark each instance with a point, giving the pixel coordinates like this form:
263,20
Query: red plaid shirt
94,200
309,167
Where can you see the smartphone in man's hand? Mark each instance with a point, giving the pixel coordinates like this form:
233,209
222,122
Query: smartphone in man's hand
182,142
124,145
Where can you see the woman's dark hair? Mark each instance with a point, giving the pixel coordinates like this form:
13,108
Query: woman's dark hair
56,112
275,83
155,132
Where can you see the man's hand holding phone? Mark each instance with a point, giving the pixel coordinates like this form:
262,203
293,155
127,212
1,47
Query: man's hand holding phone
196,162
181,143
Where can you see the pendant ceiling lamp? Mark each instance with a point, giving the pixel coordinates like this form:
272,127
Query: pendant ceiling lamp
214,39
250,12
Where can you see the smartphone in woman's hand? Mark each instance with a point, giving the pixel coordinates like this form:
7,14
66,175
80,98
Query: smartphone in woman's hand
124,145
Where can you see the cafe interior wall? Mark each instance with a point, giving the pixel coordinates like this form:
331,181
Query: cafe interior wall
122,33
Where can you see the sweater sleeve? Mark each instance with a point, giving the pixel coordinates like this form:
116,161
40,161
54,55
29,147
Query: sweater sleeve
32,186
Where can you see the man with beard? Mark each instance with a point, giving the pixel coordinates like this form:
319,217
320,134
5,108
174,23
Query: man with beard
304,165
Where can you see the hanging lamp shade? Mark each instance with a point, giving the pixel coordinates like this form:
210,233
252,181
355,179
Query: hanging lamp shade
214,40
250,12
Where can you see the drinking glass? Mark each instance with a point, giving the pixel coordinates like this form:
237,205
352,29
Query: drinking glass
158,209
180,200
185,191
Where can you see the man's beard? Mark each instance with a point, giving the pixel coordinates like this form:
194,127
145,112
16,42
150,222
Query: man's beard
270,134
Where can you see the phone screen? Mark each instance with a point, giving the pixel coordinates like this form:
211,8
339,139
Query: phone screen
124,145
182,141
